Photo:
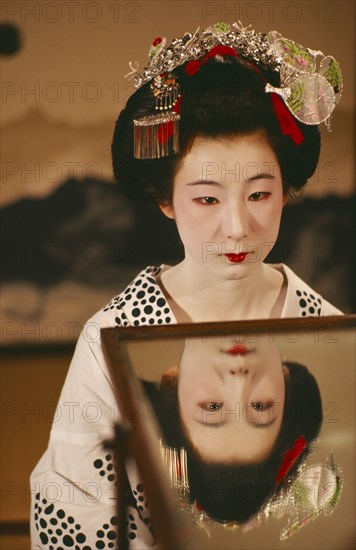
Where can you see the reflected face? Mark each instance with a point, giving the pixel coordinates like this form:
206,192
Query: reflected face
231,398
227,203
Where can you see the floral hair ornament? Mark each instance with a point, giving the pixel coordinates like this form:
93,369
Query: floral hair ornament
308,88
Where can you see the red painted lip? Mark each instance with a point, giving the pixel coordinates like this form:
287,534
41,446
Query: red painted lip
238,349
236,258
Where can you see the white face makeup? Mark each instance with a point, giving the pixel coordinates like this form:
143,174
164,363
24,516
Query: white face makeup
227,204
231,398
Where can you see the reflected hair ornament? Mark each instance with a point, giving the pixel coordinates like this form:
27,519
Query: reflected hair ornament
290,458
175,462
315,490
310,83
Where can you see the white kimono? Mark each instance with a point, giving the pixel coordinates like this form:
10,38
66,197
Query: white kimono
73,484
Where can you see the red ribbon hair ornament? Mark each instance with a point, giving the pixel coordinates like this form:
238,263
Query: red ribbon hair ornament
285,118
193,66
291,457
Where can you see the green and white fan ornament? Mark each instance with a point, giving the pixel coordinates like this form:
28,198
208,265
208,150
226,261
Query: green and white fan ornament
311,87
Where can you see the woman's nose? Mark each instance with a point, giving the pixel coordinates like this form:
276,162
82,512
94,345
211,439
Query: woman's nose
239,370
235,221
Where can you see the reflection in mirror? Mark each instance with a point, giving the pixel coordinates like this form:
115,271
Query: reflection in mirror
250,425
237,410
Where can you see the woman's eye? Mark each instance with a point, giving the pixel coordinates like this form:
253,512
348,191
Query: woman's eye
211,406
206,200
260,406
259,195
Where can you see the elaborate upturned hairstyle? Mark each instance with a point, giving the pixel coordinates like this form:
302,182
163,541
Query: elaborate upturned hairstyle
226,97
235,492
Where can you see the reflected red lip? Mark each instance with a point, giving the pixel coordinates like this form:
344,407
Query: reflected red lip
238,349
236,258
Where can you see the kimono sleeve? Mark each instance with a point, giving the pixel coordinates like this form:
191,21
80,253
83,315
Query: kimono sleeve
73,485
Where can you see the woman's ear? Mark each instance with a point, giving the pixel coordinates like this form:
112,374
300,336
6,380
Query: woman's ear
286,372
167,209
169,378
285,199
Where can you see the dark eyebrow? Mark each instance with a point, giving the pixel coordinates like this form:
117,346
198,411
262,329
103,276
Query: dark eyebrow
208,425
266,425
261,176
204,182
219,424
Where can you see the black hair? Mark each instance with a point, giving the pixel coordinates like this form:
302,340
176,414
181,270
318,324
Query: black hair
221,100
236,492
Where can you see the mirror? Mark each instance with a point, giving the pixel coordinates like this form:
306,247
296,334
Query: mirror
256,425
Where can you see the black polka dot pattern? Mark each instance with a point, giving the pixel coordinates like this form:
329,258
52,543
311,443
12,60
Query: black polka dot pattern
141,503
142,302
134,518
105,466
107,534
59,531
56,529
69,534
310,304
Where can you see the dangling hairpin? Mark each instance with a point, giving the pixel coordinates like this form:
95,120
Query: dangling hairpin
157,136
309,90
175,462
